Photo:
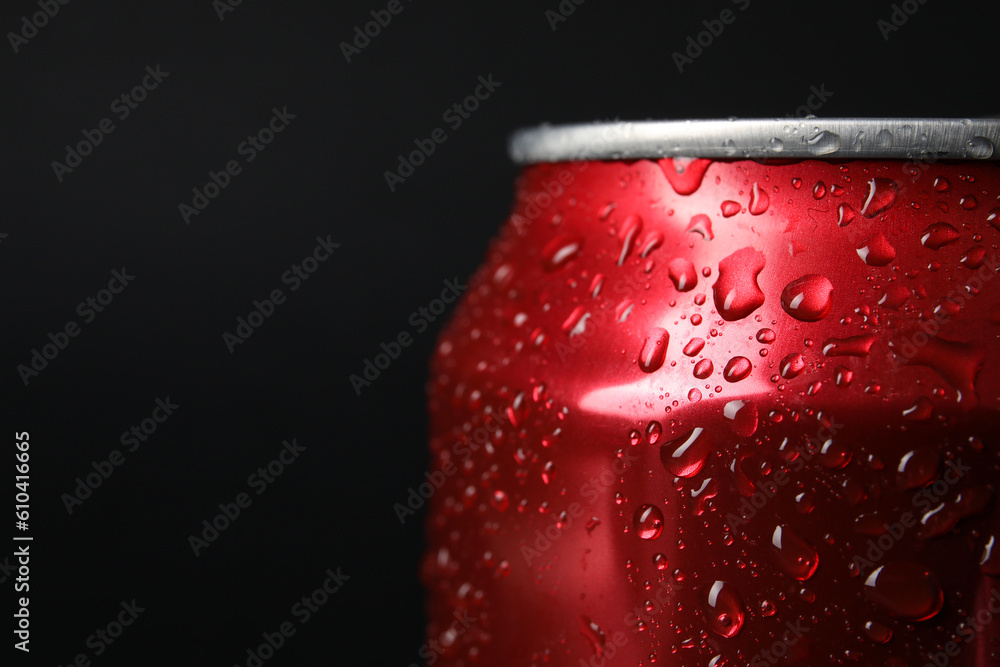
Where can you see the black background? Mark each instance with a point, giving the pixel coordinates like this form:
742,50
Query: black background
322,176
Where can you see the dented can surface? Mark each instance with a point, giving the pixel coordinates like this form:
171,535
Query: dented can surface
712,401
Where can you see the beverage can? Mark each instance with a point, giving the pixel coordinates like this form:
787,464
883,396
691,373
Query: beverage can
726,393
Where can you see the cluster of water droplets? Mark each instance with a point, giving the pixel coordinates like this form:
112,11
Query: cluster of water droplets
737,295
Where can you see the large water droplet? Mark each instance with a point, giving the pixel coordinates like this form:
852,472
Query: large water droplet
743,417
724,609
939,235
823,143
685,456
843,376
630,228
993,217
941,519
876,250
980,148
920,410
795,556
576,323
881,195
653,432
594,635
917,467
759,200
906,590
694,346
685,175
701,224
958,363
736,291
792,366
989,561
730,208
877,632
895,296
654,350
623,310
683,274
737,369
560,251
834,454
845,215
648,522
973,257
852,346
809,298
704,369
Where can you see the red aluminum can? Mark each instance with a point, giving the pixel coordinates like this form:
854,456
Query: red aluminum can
726,393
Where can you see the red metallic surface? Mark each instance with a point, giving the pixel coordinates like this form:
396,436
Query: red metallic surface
723,413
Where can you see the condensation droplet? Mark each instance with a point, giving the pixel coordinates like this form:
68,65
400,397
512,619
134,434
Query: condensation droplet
876,250
792,366
654,350
648,522
560,251
736,291
759,200
737,369
809,298
906,590
694,347
685,456
730,208
683,274
795,556
703,369
938,235
881,195
724,609
917,467
823,143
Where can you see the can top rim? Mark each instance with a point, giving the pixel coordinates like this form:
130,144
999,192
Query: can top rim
817,138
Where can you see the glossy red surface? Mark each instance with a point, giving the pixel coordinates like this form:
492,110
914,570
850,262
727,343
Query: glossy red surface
723,413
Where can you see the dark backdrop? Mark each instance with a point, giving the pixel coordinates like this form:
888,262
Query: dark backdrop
223,73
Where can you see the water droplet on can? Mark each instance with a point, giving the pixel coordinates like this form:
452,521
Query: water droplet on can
736,291
809,298
939,235
737,369
684,456
796,557
724,609
881,195
876,250
906,590
648,522
730,208
654,350
683,274
759,200
560,251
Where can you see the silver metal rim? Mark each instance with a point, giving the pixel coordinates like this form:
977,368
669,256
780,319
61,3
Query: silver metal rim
823,138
